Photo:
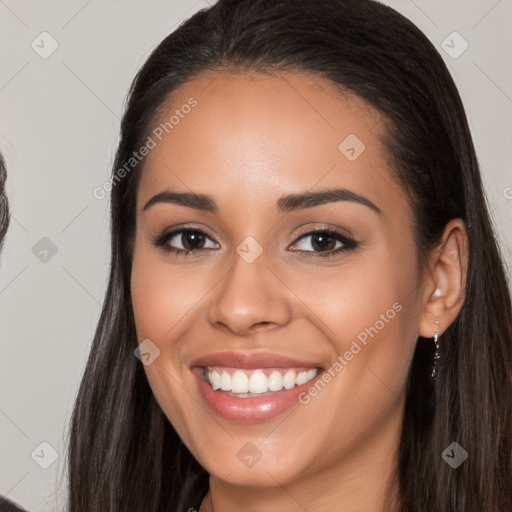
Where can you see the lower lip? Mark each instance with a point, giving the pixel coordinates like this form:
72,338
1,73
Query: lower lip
251,409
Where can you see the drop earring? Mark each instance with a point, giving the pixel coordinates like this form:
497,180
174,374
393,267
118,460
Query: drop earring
437,356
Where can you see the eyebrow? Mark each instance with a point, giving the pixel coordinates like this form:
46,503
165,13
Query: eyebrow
286,203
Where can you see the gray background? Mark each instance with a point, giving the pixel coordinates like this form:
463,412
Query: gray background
59,130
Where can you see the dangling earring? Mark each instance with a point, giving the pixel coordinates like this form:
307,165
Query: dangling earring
437,356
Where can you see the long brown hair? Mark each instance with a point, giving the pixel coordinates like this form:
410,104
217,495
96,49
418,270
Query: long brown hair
124,455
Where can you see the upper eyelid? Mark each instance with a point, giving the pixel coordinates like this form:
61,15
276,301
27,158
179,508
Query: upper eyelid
179,229
335,231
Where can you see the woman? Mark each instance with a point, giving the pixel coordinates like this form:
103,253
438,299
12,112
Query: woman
306,309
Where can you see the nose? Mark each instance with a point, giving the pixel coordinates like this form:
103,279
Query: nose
250,297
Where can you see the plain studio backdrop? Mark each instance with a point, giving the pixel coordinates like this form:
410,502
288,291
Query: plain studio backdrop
64,74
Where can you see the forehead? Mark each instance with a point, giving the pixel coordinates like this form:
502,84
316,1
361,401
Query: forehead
256,134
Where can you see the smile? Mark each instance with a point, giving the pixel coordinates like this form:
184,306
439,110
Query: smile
247,383
252,387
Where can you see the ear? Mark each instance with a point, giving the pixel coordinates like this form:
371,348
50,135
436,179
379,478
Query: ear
444,288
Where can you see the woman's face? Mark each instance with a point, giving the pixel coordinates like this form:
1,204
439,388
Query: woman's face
258,304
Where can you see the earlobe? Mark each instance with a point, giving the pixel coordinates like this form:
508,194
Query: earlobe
445,285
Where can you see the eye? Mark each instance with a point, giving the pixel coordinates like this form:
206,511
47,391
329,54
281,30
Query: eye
191,240
325,241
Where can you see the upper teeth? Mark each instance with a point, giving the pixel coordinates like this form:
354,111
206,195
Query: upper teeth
257,381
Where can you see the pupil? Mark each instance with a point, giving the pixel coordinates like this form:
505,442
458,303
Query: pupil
322,245
194,236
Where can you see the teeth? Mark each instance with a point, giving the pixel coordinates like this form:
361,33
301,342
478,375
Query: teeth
257,381
225,381
215,379
289,379
275,381
302,377
239,382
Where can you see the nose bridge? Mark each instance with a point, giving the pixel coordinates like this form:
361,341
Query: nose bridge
250,292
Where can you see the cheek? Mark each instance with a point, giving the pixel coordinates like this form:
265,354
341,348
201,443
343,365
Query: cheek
162,294
369,312
369,315
369,297
162,297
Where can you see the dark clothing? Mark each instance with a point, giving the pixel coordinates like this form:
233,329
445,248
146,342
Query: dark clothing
9,506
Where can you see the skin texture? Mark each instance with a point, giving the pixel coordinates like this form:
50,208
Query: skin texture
251,139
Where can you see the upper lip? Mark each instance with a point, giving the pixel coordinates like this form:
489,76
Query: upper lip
248,360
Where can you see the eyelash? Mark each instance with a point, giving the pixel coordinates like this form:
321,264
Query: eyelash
161,240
